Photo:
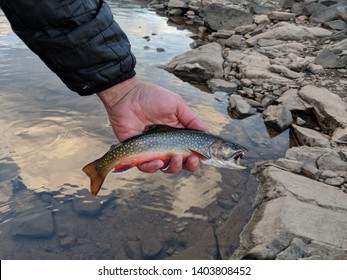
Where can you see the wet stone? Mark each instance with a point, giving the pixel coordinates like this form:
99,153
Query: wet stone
67,242
33,219
151,248
226,203
133,250
88,205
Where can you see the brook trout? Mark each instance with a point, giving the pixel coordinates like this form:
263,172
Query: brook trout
163,142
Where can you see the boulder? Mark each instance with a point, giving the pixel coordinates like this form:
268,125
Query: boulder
295,218
278,117
254,66
329,108
337,11
200,65
310,137
287,31
328,59
239,108
293,102
221,16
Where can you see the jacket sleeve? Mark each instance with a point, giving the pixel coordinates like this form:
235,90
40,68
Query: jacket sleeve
77,39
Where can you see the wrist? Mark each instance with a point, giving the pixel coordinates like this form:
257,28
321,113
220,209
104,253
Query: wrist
116,93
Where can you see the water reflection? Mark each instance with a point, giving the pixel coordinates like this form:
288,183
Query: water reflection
49,134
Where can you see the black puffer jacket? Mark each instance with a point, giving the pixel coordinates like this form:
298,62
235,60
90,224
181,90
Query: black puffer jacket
77,39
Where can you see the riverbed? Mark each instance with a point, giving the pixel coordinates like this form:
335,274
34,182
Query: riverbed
49,133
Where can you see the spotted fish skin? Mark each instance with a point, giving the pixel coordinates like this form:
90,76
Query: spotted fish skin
163,142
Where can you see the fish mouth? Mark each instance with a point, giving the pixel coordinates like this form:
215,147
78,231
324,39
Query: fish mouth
237,158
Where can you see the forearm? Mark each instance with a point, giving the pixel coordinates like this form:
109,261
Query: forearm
78,40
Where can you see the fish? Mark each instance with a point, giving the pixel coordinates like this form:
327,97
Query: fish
163,142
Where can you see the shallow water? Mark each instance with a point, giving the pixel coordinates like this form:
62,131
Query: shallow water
49,134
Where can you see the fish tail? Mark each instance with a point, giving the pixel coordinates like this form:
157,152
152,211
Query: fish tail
96,179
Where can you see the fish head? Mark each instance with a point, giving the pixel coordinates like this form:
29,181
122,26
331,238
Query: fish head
226,154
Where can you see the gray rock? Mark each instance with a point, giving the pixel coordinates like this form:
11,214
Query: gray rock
222,85
181,4
328,174
261,19
300,121
176,12
199,64
293,102
294,207
223,34
269,42
310,137
286,31
340,135
290,165
254,66
337,11
133,250
281,16
336,25
329,108
278,117
316,69
281,69
88,205
246,82
220,16
295,250
151,248
234,42
332,160
311,171
328,59
337,181
243,29
239,108
339,47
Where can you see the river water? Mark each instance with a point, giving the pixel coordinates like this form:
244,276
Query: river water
49,133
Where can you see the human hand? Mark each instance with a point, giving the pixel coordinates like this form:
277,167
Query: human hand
133,104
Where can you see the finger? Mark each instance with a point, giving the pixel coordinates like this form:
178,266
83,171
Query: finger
175,164
192,164
151,167
188,118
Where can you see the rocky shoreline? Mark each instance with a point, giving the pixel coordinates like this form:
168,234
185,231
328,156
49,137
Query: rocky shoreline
287,60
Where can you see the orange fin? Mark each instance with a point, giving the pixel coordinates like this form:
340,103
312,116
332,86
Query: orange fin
200,156
96,179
